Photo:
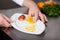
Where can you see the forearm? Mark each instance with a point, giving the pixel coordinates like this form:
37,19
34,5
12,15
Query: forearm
29,3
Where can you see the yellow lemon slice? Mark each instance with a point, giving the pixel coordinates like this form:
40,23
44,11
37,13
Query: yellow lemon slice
30,28
30,20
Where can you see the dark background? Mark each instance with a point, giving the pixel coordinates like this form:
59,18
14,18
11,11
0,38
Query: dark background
6,4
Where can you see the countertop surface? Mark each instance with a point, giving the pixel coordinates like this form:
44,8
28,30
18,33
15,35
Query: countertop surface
52,31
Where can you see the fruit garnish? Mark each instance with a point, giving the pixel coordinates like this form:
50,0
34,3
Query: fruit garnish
50,3
30,28
22,17
40,4
30,20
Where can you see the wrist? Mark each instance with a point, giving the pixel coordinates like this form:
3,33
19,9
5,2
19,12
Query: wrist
28,3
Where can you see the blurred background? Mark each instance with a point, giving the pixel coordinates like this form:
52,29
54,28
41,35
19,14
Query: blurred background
7,4
52,31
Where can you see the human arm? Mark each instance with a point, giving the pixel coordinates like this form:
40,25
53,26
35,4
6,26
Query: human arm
33,9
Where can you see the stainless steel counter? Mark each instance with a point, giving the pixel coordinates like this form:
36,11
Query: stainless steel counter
52,31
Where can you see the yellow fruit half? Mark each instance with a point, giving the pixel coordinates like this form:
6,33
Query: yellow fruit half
30,28
30,20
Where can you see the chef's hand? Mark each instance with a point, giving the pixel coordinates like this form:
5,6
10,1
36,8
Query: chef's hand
34,10
4,21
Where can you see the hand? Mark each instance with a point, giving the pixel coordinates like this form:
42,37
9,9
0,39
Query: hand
34,11
4,21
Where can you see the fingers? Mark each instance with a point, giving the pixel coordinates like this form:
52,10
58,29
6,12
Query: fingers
29,13
45,18
6,24
35,14
41,17
4,21
6,18
35,17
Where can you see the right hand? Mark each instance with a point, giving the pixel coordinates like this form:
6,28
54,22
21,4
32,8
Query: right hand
34,10
4,21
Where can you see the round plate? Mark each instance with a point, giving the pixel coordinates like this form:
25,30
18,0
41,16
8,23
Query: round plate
40,27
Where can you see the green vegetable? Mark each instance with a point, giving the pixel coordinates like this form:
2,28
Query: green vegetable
51,10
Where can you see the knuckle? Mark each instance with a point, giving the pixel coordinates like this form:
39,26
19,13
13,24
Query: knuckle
0,24
8,25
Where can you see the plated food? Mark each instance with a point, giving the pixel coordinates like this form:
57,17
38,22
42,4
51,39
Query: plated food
26,24
21,18
30,26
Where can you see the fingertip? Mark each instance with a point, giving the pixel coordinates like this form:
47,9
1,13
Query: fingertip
46,21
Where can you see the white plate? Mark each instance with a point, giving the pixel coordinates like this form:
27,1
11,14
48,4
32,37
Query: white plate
40,27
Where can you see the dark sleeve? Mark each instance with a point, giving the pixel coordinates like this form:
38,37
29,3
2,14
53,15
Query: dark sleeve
6,4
